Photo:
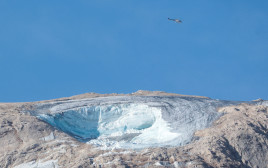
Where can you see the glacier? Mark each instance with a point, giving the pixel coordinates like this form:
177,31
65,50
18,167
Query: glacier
132,121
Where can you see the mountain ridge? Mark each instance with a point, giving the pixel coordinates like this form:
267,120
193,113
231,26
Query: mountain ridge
238,138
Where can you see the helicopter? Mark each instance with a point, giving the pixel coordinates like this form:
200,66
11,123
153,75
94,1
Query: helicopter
175,20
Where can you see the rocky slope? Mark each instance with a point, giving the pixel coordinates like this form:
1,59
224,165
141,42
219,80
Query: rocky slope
238,136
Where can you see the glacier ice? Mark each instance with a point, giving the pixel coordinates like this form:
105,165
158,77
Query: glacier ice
132,121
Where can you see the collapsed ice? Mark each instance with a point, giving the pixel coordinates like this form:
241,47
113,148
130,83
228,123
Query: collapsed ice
132,122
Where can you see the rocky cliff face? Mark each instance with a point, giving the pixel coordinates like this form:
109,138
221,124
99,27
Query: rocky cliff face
143,129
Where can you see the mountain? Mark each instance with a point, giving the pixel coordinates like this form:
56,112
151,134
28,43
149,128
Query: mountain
141,129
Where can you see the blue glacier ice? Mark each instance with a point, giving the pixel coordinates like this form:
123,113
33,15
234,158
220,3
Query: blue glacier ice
132,121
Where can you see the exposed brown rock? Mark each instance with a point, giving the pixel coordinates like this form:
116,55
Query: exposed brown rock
237,139
138,93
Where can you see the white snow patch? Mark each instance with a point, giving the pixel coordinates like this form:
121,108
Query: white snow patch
39,164
49,137
158,164
116,153
179,164
176,164
264,103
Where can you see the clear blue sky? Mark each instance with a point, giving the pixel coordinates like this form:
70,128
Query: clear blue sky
51,48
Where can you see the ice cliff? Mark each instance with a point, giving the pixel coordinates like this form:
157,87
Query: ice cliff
132,121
